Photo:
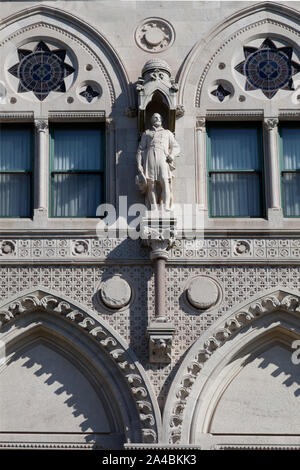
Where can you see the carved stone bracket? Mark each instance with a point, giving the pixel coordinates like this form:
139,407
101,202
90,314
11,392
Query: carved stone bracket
158,232
160,336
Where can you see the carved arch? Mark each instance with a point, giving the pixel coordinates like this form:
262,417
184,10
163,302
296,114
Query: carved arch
260,18
52,311
272,316
74,28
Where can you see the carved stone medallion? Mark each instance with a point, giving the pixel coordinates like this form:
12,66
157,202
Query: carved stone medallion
154,35
202,292
115,292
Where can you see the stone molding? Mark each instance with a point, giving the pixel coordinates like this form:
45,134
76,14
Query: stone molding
240,114
41,301
226,328
57,115
16,116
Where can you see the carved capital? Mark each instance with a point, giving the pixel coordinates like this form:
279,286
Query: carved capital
159,235
201,124
109,124
270,123
41,125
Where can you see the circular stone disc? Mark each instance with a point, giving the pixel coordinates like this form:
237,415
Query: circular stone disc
115,292
154,36
202,293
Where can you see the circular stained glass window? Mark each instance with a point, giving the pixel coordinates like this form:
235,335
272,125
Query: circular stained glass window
268,70
41,70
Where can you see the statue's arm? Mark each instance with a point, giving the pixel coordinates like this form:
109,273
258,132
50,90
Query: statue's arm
174,148
139,156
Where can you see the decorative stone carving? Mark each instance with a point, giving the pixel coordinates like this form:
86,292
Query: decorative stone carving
154,35
233,323
80,247
179,111
271,123
242,247
158,233
115,292
160,336
41,125
156,81
203,292
41,302
8,247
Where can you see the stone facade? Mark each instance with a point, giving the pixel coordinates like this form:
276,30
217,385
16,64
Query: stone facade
183,338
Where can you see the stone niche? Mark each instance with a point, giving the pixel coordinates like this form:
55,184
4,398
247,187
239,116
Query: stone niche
156,94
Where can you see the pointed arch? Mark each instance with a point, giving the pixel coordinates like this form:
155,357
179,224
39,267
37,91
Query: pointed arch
260,16
266,320
51,316
74,28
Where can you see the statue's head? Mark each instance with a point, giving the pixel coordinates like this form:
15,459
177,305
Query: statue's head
156,120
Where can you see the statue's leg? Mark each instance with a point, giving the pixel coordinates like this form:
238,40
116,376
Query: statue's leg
151,195
166,194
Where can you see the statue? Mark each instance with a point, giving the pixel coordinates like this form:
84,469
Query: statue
155,161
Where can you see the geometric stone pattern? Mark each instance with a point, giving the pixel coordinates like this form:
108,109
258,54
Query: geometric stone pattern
81,283
94,248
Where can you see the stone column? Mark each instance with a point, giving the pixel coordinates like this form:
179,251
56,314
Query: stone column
159,255
201,163
159,235
41,126
270,126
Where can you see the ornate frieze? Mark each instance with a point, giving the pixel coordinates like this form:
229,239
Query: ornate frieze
161,239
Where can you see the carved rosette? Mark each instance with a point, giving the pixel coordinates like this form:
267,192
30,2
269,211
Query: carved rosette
154,35
40,302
